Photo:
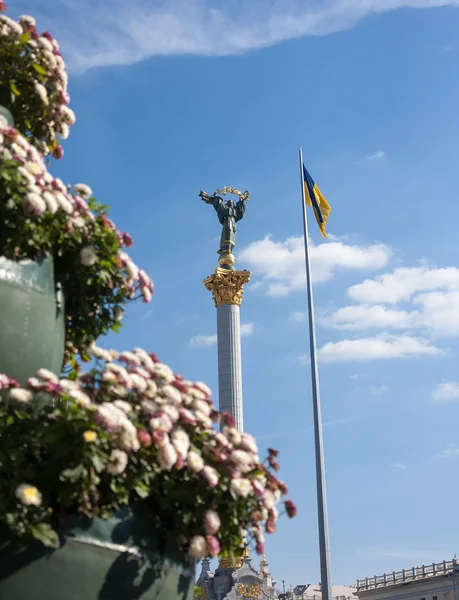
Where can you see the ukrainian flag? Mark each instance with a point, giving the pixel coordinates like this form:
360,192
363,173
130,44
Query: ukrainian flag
314,198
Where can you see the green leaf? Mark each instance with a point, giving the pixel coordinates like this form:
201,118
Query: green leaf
72,474
142,491
23,38
14,89
39,69
44,533
98,463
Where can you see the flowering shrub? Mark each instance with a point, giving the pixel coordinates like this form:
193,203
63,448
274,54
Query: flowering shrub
33,83
39,215
127,431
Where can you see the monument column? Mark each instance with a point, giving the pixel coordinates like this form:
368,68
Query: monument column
226,286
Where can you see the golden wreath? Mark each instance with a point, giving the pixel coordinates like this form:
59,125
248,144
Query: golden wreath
229,190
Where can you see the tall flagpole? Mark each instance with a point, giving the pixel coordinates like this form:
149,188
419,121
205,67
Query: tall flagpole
324,548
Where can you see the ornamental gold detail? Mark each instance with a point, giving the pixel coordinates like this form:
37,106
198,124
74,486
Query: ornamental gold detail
248,590
201,593
226,286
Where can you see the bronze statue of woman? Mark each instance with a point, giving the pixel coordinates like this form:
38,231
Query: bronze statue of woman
228,215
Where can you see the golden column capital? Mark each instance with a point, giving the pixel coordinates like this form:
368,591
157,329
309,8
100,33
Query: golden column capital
226,286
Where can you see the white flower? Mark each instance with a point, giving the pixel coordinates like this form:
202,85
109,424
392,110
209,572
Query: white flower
41,91
27,20
167,457
28,495
161,423
35,203
21,395
130,358
241,487
64,203
65,131
242,459
171,412
152,389
204,388
195,461
123,405
34,168
223,440
202,407
146,293
47,375
127,437
118,314
78,222
164,372
27,175
45,43
109,416
181,442
198,547
51,202
88,256
68,116
172,393
68,385
138,382
210,475
80,397
212,522
109,376
118,462
269,499
249,443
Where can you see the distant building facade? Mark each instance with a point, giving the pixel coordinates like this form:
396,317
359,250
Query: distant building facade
314,592
438,581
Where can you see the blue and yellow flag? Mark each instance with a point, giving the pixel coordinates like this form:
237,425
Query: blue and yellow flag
314,198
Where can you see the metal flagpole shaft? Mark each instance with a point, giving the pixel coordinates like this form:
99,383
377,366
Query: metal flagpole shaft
319,452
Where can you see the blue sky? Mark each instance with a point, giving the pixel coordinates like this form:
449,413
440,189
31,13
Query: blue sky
173,97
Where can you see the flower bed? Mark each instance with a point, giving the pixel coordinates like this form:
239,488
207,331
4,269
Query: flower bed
131,430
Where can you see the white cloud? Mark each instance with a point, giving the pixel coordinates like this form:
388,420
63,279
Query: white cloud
378,390
450,451
94,34
371,348
378,155
435,312
298,317
446,392
398,465
304,359
281,264
247,329
403,283
363,316
203,341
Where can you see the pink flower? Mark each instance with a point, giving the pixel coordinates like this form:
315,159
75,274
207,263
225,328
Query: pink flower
260,549
187,416
258,487
2,6
213,545
290,509
228,420
212,522
160,438
127,240
58,152
144,438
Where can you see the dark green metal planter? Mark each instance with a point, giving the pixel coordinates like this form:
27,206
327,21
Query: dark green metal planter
124,558
32,327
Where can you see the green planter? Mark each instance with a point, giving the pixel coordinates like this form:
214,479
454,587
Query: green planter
32,327
124,558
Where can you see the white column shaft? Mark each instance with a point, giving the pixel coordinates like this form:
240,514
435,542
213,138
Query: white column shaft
229,362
